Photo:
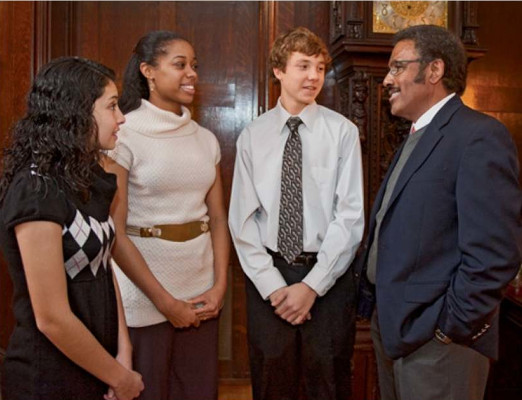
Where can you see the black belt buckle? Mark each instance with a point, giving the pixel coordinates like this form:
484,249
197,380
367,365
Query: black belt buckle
306,259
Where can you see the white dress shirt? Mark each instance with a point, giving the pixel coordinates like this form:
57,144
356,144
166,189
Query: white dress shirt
333,209
426,118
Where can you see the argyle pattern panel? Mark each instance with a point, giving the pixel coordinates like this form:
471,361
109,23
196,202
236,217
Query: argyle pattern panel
87,243
290,234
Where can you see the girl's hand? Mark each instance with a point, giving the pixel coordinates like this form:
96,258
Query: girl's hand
182,315
208,304
124,357
129,388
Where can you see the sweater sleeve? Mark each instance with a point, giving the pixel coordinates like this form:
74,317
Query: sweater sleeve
216,150
122,153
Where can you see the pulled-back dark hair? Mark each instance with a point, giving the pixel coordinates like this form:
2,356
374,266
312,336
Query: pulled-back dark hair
434,42
148,49
58,136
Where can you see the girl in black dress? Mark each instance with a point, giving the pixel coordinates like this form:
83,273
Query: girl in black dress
70,341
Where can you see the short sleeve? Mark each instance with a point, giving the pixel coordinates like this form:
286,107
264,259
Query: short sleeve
217,151
122,153
33,198
214,146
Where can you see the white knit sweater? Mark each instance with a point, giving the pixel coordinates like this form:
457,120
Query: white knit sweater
171,162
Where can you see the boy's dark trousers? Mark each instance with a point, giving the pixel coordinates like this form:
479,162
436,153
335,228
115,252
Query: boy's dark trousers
309,361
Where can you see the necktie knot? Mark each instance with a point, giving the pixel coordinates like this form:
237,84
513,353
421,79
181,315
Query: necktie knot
293,124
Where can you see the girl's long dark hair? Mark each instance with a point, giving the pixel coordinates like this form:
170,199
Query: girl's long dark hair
148,49
58,136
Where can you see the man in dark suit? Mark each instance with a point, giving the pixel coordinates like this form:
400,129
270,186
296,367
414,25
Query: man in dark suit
445,230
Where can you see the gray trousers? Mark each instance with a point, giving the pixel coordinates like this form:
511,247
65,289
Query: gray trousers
435,371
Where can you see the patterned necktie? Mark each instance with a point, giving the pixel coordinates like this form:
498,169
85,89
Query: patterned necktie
290,235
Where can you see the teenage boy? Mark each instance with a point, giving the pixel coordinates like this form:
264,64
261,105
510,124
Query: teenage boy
296,217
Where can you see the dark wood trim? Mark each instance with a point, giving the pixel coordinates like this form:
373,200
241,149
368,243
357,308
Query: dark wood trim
41,38
53,33
267,33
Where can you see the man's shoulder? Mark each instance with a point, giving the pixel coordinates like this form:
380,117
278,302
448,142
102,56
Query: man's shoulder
474,119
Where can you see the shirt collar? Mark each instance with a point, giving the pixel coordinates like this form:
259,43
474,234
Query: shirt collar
426,118
308,115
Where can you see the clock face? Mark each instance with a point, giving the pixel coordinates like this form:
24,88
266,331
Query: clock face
392,16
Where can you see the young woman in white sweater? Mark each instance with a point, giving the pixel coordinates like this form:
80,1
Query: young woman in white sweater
172,242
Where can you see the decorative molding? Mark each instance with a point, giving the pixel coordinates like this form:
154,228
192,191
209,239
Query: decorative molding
336,21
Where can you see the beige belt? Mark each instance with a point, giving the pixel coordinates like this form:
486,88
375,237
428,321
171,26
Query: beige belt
174,233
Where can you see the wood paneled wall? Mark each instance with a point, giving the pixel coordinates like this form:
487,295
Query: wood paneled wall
16,70
231,40
494,81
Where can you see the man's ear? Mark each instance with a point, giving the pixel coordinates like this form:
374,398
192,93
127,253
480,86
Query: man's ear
146,70
436,71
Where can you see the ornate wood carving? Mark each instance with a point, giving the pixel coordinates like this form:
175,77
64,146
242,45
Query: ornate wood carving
353,97
336,21
354,20
359,104
392,132
470,23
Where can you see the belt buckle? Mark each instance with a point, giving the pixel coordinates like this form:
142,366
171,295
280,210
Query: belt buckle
150,232
306,259
204,227
300,259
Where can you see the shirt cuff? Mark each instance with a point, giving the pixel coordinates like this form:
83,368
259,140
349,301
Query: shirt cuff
269,282
318,280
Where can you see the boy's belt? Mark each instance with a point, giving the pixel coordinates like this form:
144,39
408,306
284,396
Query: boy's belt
307,259
174,233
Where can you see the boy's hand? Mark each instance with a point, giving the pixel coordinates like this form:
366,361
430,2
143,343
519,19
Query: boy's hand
278,296
293,303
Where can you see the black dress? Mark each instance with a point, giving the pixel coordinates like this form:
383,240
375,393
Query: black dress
34,368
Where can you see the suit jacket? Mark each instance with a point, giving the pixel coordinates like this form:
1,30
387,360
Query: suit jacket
450,240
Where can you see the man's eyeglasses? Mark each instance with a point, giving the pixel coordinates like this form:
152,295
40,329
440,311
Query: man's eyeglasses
397,67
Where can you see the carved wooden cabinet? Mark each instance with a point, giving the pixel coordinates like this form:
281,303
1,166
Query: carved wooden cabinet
360,62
